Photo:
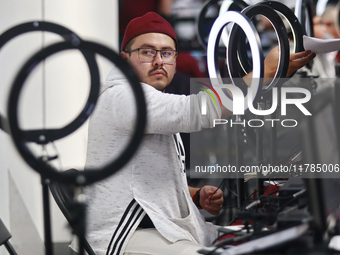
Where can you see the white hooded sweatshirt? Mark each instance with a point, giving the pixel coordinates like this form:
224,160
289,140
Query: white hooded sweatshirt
153,182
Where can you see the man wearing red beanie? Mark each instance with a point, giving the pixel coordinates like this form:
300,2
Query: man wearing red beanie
147,207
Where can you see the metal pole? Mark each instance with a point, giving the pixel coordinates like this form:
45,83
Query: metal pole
239,161
259,151
47,216
10,248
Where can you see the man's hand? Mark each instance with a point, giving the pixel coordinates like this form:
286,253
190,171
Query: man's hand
210,200
296,61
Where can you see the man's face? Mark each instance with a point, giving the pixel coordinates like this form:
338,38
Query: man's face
157,74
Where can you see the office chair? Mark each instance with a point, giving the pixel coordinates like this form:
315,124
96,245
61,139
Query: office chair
63,195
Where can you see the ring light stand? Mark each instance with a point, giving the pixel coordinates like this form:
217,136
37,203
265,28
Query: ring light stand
216,79
44,136
4,124
297,33
277,81
21,137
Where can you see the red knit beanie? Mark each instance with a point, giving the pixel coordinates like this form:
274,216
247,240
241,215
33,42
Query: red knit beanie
150,22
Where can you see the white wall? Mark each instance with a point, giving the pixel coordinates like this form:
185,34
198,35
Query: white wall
4,196
55,92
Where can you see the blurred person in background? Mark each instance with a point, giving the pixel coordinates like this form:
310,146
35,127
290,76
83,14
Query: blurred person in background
326,26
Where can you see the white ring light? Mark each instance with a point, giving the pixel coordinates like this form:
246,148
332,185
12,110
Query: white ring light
225,33
225,6
254,42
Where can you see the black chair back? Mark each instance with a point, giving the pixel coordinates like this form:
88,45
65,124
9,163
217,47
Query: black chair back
63,195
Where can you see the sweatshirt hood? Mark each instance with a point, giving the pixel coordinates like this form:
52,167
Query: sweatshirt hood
115,77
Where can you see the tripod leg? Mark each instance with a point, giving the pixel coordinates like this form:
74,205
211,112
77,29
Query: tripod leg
4,238
10,248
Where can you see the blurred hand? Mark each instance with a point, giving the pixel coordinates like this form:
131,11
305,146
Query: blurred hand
296,61
210,200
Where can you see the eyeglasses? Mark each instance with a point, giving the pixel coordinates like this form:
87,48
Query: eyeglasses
148,55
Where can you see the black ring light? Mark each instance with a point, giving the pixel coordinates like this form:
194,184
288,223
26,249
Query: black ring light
35,136
237,5
293,23
236,56
19,137
292,20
